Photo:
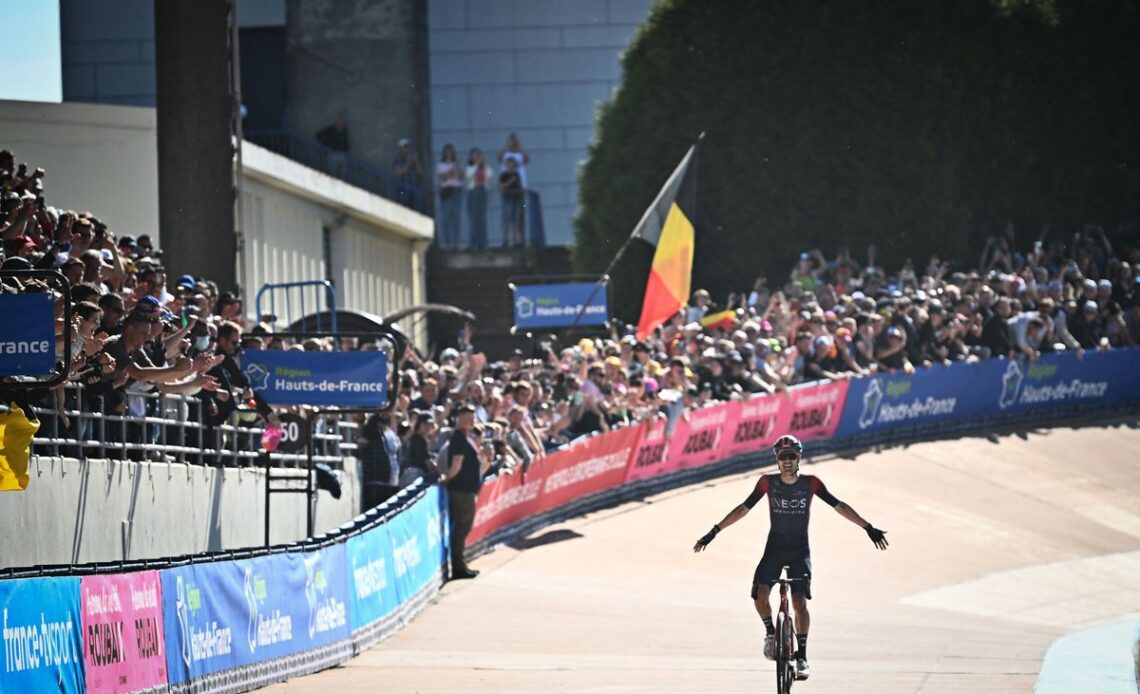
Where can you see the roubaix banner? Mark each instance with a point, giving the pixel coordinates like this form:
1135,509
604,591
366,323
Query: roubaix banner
754,426
558,305
341,379
698,436
224,615
43,645
812,411
122,632
27,335
651,458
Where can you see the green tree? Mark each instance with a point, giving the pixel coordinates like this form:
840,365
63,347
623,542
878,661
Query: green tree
921,127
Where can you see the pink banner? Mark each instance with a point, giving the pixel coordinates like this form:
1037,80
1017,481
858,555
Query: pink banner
754,428
506,499
588,467
122,632
651,457
812,412
698,437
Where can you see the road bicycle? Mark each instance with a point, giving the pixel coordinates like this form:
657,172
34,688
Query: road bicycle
785,651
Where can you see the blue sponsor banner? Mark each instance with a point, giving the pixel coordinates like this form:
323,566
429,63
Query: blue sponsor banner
229,614
418,544
372,578
392,562
989,388
43,642
557,305
27,335
341,379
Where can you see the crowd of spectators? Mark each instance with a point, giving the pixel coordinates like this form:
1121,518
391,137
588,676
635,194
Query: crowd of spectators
829,319
134,332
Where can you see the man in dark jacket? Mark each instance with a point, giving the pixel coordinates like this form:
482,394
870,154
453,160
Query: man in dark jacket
996,333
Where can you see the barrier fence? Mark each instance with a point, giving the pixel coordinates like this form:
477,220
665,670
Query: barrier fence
240,620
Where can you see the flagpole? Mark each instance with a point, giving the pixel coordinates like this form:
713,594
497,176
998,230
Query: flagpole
636,234
601,281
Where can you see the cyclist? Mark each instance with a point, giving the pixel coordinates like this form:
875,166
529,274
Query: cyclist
789,504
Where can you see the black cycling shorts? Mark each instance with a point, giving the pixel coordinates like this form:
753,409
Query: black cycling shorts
798,561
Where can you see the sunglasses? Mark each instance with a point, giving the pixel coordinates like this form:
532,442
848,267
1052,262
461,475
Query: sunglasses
787,457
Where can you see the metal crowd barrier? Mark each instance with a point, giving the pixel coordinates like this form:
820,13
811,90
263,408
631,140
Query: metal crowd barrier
174,430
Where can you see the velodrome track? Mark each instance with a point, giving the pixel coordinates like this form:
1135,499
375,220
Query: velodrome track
998,547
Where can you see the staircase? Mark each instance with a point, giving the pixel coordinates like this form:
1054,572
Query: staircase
477,282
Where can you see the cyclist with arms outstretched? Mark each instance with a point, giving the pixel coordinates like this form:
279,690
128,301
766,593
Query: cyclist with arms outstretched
789,505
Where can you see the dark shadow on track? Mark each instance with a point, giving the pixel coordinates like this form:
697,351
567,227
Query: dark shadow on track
547,538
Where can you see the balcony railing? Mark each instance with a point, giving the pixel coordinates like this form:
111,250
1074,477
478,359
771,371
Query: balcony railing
346,167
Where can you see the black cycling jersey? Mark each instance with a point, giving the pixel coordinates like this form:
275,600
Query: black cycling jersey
789,506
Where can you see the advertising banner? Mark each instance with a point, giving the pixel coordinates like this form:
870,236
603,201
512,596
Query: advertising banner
932,395
991,387
229,614
698,437
557,305
418,547
122,632
812,411
1098,378
754,426
507,499
588,466
27,334
43,646
372,579
342,379
651,457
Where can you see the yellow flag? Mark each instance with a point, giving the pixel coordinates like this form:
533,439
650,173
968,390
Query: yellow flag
16,432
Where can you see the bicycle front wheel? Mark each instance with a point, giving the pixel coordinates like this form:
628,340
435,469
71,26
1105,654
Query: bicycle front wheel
785,655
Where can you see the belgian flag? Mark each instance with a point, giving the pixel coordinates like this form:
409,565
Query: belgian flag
668,225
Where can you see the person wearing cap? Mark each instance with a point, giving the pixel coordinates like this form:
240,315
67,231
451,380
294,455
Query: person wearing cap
20,246
128,247
408,172
996,334
891,351
463,477
1089,290
1087,326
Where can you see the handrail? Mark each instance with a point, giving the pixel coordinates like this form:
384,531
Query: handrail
341,165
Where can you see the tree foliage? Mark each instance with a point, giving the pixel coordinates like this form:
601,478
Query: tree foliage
919,126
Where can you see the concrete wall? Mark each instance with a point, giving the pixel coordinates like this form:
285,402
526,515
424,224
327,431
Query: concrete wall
535,67
107,47
376,247
97,157
366,59
77,512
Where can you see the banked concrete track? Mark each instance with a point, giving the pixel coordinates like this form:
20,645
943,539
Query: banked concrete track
998,547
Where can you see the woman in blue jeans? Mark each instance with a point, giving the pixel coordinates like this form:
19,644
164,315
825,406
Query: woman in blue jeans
450,180
479,177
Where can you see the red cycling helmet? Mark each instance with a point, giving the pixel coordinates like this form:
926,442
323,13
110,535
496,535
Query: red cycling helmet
787,442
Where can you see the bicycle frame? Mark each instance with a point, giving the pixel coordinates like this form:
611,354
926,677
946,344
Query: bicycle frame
785,640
